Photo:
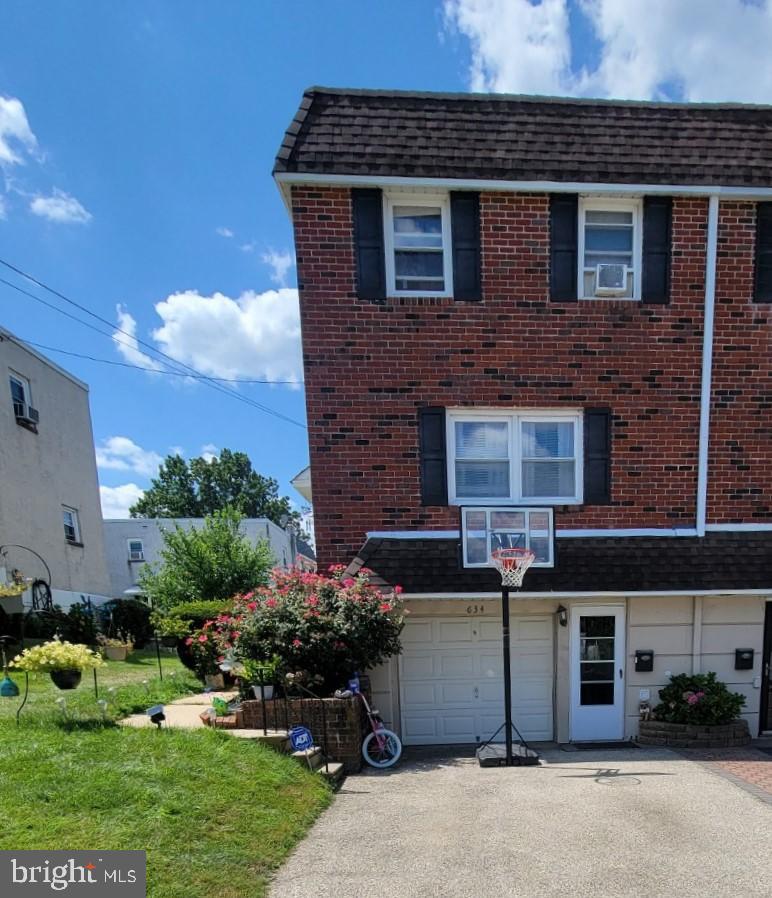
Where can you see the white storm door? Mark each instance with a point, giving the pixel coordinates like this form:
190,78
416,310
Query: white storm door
597,673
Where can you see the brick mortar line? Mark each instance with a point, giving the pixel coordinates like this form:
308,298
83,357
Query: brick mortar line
752,789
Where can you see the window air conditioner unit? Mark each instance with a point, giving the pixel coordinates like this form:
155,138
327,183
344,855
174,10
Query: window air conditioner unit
611,279
136,556
26,413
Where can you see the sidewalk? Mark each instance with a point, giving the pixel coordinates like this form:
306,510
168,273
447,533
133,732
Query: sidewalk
183,713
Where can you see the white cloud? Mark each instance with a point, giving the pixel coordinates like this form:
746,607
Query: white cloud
123,454
224,232
116,500
248,247
209,452
280,262
60,207
3,209
16,137
648,49
255,336
125,341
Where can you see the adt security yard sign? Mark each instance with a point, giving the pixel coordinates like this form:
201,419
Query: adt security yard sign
301,738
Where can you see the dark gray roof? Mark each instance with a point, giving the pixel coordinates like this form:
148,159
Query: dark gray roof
505,137
635,564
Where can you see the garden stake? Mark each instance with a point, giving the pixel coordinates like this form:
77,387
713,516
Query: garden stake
158,655
96,685
24,700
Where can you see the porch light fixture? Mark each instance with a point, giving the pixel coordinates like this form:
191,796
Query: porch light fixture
562,614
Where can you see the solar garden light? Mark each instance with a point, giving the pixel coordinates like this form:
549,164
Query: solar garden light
102,703
62,706
511,563
156,715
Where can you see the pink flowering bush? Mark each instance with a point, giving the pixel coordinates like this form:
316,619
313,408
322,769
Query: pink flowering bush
699,699
322,628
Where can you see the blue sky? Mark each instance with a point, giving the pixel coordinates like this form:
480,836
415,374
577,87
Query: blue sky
136,145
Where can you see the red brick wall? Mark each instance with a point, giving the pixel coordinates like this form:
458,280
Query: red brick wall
740,469
368,366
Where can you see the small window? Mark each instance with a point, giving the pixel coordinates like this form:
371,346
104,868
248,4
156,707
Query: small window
20,394
609,249
515,457
136,550
71,524
418,246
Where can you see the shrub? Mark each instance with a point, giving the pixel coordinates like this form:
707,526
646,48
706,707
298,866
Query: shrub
698,699
181,621
77,625
126,616
321,629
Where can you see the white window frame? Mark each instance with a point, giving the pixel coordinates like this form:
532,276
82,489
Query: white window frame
515,418
441,200
527,510
25,385
68,509
612,204
141,550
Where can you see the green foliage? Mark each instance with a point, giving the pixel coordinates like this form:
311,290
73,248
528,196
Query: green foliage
214,562
321,629
77,624
199,613
126,616
698,699
200,487
267,672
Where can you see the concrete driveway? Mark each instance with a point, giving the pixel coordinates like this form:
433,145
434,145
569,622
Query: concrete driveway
606,824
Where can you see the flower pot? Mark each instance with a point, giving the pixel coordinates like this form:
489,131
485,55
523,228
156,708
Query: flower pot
66,679
169,642
267,691
116,652
214,681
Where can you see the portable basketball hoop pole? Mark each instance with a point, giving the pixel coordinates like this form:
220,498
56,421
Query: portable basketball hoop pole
512,565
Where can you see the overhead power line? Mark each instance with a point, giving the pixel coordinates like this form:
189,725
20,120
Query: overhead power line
165,359
91,358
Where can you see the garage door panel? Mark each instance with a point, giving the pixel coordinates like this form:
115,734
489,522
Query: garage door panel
452,685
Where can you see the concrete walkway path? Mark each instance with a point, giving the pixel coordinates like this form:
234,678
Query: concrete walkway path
605,824
182,713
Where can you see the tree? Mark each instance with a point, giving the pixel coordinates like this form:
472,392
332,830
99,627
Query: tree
214,562
200,487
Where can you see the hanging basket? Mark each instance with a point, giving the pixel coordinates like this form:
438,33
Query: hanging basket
66,679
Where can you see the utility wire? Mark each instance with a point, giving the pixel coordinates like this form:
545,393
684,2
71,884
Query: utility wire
208,380
91,358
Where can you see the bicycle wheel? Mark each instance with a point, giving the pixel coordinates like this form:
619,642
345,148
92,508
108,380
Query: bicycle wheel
384,754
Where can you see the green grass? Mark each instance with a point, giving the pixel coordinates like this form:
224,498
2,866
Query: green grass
215,814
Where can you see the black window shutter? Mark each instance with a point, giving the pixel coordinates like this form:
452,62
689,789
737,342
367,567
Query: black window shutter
367,206
763,289
597,456
657,217
434,472
465,228
563,247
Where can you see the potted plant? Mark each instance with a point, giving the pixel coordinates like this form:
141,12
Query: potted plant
265,674
63,661
116,648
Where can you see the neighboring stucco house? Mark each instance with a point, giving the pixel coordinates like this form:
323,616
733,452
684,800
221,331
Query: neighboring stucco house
131,543
546,323
49,492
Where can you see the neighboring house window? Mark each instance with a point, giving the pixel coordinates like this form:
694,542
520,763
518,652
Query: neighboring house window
514,457
71,524
417,237
20,394
609,250
136,550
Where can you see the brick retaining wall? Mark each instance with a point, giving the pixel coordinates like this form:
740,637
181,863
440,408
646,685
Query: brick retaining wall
682,735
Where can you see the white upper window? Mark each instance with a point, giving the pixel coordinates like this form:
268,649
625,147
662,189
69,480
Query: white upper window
136,550
506,457
71,524
609,248
418,255
20,393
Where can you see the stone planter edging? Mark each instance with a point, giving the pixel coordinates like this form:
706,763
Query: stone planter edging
687,735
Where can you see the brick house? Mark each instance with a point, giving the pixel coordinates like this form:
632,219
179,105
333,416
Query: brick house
542,322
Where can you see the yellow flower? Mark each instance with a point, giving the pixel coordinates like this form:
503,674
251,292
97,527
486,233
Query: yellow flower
57,655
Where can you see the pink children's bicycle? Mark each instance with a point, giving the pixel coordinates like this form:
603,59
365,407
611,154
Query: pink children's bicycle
381,748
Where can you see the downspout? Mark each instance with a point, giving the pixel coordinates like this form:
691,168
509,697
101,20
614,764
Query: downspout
707,364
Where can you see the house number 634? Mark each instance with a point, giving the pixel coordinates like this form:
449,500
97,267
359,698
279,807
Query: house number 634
475,609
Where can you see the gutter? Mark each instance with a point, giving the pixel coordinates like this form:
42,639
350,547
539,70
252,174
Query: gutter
711,254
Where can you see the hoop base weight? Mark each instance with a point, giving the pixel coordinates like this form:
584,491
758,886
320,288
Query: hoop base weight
496,756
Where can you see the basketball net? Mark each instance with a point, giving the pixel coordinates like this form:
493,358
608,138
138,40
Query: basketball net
512,565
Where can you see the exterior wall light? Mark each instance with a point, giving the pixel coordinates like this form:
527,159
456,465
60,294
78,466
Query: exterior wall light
562,614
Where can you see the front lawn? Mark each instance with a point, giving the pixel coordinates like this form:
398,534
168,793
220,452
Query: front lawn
216,814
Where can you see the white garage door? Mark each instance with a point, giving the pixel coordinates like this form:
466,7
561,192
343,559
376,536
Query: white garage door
451,681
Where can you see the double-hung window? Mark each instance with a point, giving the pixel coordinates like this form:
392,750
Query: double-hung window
20,394
418,252
503,458
71,524
609,248
136,550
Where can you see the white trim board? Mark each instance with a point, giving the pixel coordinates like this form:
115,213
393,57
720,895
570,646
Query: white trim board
739,528
568,534
559,595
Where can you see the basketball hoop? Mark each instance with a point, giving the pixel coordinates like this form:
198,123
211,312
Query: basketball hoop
512,565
